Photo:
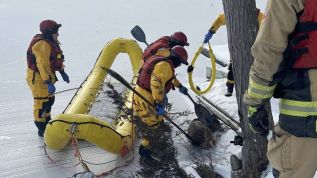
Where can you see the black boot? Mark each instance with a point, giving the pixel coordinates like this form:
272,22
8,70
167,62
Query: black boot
146,158
229,90
144,151
41,127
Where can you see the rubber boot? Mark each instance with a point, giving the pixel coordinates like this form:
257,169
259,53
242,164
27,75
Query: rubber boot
146,158
144,151
41,126
229,90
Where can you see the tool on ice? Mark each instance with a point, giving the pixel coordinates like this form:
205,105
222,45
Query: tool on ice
125,83
202,112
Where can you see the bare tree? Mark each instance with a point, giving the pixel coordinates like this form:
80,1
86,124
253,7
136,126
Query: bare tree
242,27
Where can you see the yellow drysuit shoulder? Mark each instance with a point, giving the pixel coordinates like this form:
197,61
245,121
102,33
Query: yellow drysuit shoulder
164,52
42,52
221,20
162,73
260,18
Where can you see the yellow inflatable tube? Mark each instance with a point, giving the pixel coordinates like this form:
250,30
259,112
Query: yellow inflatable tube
75,122
82,126
86,95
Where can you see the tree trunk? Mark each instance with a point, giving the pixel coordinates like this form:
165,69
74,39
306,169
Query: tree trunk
242,27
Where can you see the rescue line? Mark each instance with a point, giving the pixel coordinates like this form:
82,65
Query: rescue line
75,118
213,71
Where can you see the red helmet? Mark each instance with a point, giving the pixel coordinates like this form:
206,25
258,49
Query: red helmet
181,53
181,38
49,26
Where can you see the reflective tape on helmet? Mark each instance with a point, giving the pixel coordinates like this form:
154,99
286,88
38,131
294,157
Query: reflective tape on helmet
259,91
298,108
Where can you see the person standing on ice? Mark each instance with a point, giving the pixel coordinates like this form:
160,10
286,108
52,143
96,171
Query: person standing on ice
156,78
220,21
285,66
44,58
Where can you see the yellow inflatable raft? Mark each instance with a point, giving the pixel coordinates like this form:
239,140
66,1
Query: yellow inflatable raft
76,122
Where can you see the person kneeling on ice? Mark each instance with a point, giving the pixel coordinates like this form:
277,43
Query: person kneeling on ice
162,47
44,58
156,78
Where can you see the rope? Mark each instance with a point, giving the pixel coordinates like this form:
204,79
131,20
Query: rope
82,161
62,91
191,67
54,162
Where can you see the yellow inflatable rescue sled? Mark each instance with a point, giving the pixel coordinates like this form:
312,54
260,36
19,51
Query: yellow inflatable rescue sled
77,123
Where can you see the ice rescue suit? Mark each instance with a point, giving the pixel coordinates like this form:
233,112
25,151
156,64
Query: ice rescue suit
293,153
44,52
220,21
161,77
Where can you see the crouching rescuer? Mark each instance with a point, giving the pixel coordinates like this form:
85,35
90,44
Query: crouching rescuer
44,58
156,78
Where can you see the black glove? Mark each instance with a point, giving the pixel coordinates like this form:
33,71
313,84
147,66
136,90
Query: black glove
258,120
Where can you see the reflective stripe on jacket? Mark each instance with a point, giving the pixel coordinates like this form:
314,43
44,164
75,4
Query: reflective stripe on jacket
298,108
297,88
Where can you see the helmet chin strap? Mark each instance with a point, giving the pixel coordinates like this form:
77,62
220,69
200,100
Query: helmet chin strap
174,42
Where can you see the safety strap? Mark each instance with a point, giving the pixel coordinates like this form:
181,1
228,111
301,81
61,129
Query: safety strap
299,52
305,27
41,98
298,39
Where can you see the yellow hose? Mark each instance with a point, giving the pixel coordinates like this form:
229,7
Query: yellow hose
213,69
